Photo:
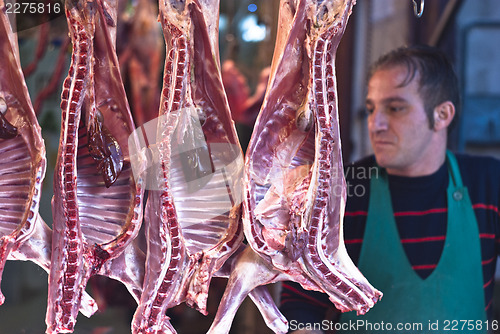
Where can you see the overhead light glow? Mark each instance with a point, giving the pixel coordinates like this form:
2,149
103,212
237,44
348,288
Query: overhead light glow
223,22
251,31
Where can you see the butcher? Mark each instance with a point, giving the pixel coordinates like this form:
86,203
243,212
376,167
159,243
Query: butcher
421,223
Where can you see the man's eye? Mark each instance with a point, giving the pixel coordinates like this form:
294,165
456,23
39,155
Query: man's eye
369,110
395,109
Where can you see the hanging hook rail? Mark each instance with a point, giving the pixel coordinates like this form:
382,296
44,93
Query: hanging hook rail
418,13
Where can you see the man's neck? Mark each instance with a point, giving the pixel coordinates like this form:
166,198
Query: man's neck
432,161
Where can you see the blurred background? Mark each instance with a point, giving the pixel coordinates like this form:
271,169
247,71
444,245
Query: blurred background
467,30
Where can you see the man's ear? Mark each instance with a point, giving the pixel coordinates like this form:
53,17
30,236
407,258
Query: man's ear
443,115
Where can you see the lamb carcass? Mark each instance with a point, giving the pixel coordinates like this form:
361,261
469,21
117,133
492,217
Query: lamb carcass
193,210
97,203
193,215
24,235
295,190
22,152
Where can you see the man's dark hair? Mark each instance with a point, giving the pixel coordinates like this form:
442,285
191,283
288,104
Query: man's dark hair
438,81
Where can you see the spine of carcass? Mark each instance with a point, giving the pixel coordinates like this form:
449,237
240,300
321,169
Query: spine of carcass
150,316
67,249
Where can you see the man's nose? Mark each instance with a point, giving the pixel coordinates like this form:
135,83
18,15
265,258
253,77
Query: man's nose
378,120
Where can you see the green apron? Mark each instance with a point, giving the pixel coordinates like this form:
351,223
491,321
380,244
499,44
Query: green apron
451,295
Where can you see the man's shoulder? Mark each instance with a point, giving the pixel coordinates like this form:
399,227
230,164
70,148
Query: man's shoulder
360,170
366,162
479,168
478,162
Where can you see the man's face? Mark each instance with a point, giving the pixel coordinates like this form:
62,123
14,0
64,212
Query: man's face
397,123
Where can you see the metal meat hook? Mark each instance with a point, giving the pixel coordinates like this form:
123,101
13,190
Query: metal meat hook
418,13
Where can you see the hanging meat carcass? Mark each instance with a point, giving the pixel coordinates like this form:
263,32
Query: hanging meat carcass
22,152
193,210
295,190
97,204
24,234
193,215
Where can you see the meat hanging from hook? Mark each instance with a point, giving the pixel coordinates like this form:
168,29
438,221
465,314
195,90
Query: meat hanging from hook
418,12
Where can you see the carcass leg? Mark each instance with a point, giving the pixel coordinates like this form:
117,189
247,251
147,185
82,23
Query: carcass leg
120,269
37,249
249,273
268,309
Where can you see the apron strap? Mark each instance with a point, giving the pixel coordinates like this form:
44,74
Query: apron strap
453,167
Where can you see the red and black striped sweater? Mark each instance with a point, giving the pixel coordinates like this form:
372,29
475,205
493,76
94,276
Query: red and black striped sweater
420,211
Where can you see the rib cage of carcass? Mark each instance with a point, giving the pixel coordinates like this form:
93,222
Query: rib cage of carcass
97,203
23,233
295,190
22,156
